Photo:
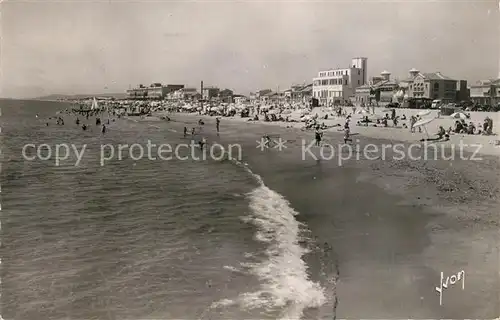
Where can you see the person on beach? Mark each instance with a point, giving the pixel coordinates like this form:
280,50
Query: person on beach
185,131
442,135
412,122
347,134
193,131
318,135
202,142
103,130
84,127
217,124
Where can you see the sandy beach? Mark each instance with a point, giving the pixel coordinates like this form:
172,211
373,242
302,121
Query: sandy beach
394,225
486,144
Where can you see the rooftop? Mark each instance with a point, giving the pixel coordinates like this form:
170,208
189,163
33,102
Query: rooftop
483,83
428,76
436,76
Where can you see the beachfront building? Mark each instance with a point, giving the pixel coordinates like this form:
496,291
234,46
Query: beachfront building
226,95
154,91
140,92
240,99
173,87
335,86
271,97
379,91
298,93
486,92
185,94
210,93
258,96
433,86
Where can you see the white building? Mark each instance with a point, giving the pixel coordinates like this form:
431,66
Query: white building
339,85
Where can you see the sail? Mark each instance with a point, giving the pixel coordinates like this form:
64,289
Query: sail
94,104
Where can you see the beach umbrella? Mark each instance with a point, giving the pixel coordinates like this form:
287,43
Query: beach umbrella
305,118
362,111
459,115
423,123
424,113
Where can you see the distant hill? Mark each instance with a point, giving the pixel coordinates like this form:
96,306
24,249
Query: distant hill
81,96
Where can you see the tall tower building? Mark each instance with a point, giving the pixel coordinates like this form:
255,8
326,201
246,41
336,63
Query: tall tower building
361,63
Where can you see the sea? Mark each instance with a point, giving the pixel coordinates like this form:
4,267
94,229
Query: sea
261,235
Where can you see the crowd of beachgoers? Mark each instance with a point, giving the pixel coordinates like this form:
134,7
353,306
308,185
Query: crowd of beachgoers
301,114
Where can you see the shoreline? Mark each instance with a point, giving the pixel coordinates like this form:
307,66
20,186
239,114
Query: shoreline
392,226
390,223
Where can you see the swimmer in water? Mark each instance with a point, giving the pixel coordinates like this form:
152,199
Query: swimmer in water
267,141
84,127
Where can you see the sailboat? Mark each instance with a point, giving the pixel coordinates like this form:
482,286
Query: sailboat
94,104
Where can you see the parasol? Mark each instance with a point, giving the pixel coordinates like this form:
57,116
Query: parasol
424,113
459,115
423,123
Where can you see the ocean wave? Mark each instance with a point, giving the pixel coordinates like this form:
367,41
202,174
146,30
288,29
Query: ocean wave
285,284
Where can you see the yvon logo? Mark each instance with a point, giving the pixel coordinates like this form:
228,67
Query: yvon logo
449,281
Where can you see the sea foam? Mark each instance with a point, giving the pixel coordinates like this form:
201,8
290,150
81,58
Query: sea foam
284,282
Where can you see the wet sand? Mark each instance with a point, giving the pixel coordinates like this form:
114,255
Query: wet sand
392,225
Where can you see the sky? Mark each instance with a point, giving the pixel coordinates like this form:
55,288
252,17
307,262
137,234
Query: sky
70,47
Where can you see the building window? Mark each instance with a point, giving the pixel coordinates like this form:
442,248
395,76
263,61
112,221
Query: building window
345,82
331,81
358,82
436,86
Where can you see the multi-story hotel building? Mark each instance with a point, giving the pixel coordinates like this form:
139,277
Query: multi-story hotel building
155,91
338,85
